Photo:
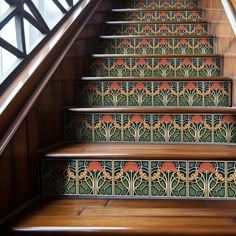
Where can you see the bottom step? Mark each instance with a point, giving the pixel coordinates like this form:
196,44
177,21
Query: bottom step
126,217
141,171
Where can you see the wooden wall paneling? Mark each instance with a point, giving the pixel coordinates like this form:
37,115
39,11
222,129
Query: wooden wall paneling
6,182
20,166
32,149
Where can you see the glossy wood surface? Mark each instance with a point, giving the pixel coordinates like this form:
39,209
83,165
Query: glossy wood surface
118,217
144,151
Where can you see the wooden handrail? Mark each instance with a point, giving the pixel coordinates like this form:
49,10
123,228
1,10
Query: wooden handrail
230,6
43,57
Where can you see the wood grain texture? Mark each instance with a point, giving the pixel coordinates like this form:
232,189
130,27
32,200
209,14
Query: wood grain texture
144,151
140,217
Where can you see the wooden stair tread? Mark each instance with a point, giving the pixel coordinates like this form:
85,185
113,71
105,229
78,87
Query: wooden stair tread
155,55
179,217
176,110
158,212
154,79
143,151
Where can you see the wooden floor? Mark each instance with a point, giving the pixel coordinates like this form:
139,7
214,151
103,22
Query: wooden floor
126,217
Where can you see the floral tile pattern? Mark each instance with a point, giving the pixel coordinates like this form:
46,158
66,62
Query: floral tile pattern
140,178
155,67
158,29
163,93
151,128
156,46
158,16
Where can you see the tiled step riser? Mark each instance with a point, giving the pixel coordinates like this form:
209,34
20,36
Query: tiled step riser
158,16
155,67
157,46
150,128
158,29
140,178
160,4
122,94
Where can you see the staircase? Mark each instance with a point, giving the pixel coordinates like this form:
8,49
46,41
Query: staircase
153,118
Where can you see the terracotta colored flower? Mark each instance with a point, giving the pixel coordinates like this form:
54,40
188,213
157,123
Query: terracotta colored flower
136,118
107,118
164,62
140,86
178,13
133,14
209,62
152,3
190,86
197,119
148,14
115,86
228,119
181,27
165,86
206,167
163,41
133,166
147,27
163,13
130,27
216,85
186,62
203,41
142,62
99,62
183,41
194,13
164,27
165,119
120,62
125,41
90,86
199,27
144,41
95,165
168,166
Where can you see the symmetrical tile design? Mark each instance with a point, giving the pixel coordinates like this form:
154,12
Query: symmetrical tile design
155,128
158,29
166,93
140,178
158,16
156,46
155,67
161,4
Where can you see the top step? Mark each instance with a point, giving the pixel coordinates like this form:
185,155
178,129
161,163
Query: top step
160,4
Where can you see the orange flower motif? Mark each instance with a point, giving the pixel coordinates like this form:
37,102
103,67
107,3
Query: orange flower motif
125,41
190,86
164,27
95,165
179,13
168,166
107,118
90,86
186,62
209,62
199,27
168,119
130,27
120,62
99,62
144,41
228,119
181,27
140,86
206,167
136,118
142,62
148,14
165,86
183,41
216,85
197,119
203,41
194,13
164,62
133,14
133,166
163,13
115,86
147,27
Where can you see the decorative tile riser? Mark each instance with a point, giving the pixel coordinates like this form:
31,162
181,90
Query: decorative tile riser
140,178
160,4
150,128
159,16
155,67
123,94
157,46
158,29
